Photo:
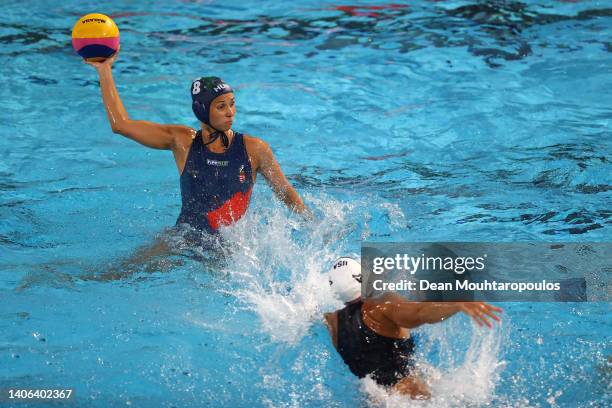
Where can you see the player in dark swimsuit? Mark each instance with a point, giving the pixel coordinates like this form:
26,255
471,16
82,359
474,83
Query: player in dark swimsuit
218,166
373,335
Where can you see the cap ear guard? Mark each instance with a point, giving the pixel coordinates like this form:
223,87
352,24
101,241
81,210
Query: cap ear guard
200,111
197,89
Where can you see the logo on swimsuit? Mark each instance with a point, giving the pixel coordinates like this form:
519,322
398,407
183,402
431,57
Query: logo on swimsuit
218,163
241,175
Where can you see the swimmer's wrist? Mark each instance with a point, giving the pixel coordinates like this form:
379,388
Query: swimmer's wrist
307,214
304,212
104,69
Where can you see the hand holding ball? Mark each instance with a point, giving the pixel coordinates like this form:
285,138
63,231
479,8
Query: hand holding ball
95,37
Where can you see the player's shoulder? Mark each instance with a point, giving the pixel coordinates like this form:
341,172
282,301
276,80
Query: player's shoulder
256,144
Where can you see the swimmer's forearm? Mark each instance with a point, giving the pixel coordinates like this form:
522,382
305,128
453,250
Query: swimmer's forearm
415,314
273,174
294,202
434,312
117,115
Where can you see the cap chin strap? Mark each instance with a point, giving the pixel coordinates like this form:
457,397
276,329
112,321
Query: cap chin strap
216,135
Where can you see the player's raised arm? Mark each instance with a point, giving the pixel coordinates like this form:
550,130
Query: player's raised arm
150,134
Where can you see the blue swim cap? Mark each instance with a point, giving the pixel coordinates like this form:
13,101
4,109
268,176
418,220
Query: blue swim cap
203,91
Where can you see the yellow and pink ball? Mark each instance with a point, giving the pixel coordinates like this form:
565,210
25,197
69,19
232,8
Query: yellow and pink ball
95,37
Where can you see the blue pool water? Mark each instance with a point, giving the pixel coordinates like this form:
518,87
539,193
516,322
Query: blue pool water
454,121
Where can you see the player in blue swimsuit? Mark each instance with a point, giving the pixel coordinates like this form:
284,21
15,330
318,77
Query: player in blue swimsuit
217,165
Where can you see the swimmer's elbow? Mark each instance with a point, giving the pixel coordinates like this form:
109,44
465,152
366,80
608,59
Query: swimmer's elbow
120,127
117,128
118,122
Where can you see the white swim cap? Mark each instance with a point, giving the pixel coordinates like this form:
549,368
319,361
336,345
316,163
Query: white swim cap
345,279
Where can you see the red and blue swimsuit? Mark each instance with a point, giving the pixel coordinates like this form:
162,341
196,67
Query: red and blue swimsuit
215,187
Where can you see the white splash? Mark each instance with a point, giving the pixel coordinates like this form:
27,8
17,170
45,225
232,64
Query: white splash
280,268
279,272
463,375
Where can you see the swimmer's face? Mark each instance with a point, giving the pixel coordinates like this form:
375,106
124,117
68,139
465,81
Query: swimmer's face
222,111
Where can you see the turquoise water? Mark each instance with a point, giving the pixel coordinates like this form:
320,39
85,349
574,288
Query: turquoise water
445,121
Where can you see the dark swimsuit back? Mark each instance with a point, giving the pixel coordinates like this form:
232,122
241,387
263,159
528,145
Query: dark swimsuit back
386,359
215,187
